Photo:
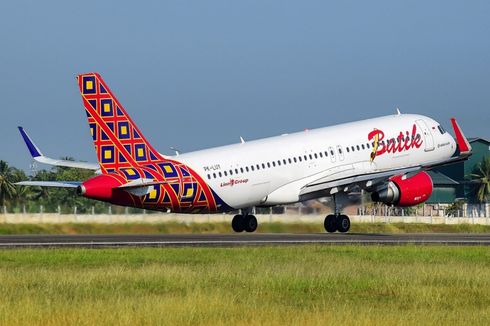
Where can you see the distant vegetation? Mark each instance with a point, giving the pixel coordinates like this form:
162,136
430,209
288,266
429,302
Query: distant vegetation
32,199
480,179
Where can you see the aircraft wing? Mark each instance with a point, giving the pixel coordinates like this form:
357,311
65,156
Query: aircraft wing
39,157
330,187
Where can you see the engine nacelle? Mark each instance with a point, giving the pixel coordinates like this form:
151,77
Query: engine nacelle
402,191
100,187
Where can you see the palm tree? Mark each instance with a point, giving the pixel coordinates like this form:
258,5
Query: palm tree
7,188
481,179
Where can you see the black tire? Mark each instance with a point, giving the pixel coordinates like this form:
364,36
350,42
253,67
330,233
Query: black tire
330,223
250,223
343,223
237,224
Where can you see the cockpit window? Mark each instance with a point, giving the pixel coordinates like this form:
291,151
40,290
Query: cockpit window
441,130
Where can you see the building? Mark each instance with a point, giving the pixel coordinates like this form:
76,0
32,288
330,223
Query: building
451,183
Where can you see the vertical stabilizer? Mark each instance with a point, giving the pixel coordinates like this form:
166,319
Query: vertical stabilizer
118,141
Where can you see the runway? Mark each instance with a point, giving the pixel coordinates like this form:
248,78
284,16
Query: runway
231,240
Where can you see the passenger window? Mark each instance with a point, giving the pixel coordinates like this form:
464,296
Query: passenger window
305,157
299,158
231,172
209,176
214,175
284,161
321,154
331,152
226,174
236,171
326,153
263,166
268,165
311,157
316,155
252,167
258,167
279,162
273,164
241,170
219,173
347,148
289,160
246,168
294,159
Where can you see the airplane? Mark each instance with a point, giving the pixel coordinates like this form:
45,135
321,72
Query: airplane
386,156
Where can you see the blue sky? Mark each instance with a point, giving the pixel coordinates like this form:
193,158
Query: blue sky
196,74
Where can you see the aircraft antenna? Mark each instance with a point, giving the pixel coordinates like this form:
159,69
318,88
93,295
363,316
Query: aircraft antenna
398,111
177,151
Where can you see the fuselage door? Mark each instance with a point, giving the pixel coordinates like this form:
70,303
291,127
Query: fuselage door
428,138
332,154
340,151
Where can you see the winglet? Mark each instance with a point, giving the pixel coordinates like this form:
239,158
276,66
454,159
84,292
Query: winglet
35,151
463,144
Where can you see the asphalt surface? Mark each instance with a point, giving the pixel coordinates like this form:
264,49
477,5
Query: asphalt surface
244,239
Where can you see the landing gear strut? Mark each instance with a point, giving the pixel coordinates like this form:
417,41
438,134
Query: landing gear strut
245,222
337,222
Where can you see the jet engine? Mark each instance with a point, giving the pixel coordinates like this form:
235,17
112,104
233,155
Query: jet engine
405,191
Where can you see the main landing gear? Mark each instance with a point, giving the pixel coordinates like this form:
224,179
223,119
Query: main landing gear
337,222
245,222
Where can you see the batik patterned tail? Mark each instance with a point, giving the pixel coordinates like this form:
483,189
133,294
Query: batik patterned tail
118,141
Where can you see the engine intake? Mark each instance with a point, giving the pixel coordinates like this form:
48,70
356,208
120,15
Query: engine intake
403,192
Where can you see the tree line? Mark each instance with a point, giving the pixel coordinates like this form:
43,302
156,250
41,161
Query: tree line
18,199
29,199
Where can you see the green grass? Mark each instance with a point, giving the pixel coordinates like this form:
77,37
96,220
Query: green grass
174,227
302,285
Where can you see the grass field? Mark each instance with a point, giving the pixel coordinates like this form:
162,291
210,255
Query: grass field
301,285
174,227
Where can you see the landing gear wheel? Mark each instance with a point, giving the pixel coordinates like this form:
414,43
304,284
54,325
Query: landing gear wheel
250,223
343,223
237,224
330,223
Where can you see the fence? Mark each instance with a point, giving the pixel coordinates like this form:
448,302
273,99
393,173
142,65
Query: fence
54,218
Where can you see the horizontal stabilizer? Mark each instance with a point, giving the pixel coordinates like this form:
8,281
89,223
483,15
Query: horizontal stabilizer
59,184
38,156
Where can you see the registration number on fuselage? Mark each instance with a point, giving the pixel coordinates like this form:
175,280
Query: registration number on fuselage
214,167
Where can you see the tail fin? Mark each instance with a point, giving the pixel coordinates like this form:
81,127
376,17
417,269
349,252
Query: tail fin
118,141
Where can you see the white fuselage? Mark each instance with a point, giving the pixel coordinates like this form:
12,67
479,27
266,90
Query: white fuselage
274,170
